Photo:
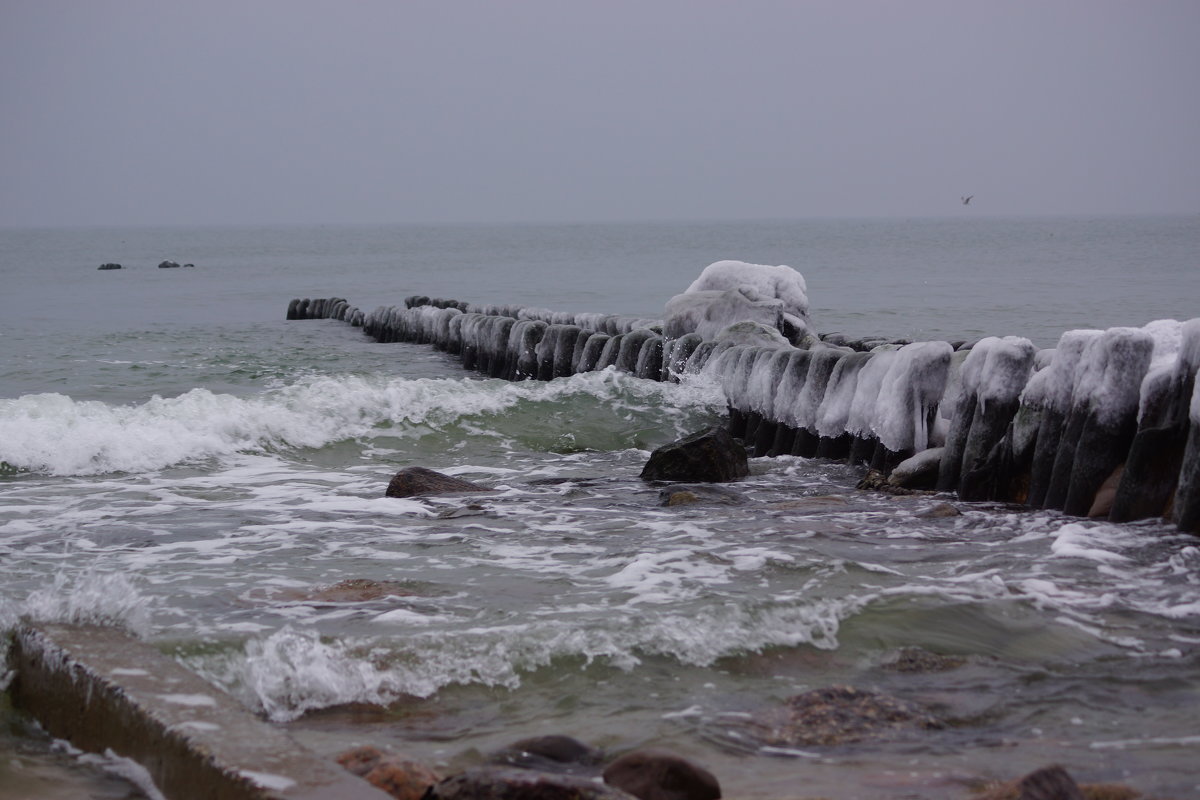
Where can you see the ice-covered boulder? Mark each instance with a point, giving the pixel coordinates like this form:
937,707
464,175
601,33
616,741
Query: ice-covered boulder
728,292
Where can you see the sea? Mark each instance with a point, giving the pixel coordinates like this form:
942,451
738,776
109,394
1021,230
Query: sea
178,459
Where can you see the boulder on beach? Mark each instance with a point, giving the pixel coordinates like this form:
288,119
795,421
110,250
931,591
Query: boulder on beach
511,783
709,456
655,775
402,778
422,482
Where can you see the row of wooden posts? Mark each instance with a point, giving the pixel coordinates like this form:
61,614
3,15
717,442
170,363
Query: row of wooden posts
1095,427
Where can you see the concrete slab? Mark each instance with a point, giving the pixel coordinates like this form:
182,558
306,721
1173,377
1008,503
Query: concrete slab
101,689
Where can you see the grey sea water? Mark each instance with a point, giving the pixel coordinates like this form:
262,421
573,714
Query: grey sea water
180,459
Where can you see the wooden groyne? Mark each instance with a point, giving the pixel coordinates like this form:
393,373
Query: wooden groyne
1107,424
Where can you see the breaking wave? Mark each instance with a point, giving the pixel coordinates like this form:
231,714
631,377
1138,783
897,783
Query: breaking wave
56,435
295,670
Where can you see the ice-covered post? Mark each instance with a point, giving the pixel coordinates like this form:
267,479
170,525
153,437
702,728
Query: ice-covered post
1152,470
993,375
908,401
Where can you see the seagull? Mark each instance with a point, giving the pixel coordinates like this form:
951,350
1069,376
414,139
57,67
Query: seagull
966,201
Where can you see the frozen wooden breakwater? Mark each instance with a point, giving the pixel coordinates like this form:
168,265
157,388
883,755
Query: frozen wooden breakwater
1106,424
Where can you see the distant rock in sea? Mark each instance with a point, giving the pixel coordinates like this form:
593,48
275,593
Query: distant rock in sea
109,266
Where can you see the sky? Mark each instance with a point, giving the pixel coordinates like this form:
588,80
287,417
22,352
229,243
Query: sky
125,112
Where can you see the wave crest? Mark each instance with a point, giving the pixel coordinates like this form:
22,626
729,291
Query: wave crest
57,435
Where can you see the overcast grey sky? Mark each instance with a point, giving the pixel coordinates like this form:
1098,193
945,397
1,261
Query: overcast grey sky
298,111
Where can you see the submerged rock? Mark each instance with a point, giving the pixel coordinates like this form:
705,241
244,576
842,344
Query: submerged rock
421,482
700,493
654,775
836,715
357,590
939,511
555,753
400,777
511,783
914,659
109,266
711,456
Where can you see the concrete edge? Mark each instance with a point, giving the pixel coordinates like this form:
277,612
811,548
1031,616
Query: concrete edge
100,689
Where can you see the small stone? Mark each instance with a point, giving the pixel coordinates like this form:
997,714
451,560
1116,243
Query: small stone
400,777
360,760
421,482
655,775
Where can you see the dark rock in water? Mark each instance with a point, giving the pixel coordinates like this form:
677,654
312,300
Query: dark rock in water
836,715
711,456
168,265
400,777
654,775
699,493
188,265
511,783
558,754
109,266
1050,783
418,482
916,660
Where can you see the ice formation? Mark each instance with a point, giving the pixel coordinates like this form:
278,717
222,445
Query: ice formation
728,292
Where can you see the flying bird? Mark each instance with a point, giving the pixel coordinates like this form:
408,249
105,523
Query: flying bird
966,201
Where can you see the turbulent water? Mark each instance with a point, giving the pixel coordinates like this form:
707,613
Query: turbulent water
178,459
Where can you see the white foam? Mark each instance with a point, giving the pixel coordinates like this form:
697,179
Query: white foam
54,434
93,596
194,700
268,780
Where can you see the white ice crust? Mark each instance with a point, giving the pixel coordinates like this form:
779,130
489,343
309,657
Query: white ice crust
1110,372
913,385
728,292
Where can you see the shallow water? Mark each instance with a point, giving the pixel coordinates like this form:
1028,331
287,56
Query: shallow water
183,461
